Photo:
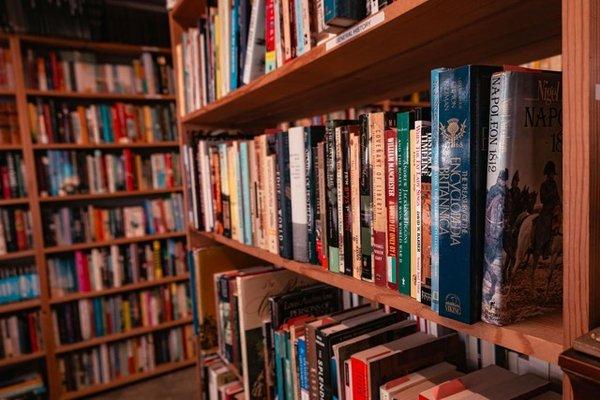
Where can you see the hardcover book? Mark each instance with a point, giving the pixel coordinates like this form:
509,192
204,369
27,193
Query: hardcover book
299,235
391,186
405,123
366,178
379,221
313,137
284,200
425,286
523,253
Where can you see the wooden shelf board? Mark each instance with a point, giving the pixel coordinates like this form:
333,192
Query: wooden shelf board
99,96
121,336
391,59
19,306
17,254
104,146
160,369
5,362
120,289
7,92
11,147
101,47
91,245
14,202
540,337
186,12
116,195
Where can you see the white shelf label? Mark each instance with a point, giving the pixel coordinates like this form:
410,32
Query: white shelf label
355,30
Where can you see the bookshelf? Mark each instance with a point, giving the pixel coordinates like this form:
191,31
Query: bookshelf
39,253
392,57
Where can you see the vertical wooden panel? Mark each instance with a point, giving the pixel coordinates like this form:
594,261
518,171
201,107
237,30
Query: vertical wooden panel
581,124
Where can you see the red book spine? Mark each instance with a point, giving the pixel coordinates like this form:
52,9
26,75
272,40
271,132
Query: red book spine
270,26
79,267
20,229
168,306
360,380
55,76
117,132
5,182
48,124
391,182
170,181
31,327
121,116
129,178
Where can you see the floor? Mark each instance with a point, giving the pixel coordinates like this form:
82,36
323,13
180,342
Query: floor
176,385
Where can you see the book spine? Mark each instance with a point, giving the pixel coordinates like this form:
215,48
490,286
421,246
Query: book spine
321,225
415,261
339,191
426,215
365,199
391,181
376,126
360,380
298,194
270,56
272,237
355,203
283,195
312,137
254,61
347,200
404,277
234,45
331,196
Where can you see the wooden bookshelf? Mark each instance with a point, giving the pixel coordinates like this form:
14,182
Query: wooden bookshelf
11,147
17,254
105,146
393,57
10,361
120,289
19,306
159,370
7,92
106,243
102,196
99,96
14,202
65,348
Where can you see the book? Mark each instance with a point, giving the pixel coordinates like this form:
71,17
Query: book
424,288
379,217
313,136
404,123
391,186
254,63
366,179
522,258
463,133
297,170
339,15
399,385
284,197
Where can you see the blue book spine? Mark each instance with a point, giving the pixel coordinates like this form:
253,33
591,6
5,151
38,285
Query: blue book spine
246,192
435,188
302,365
279,374
299,28
194,300
235,33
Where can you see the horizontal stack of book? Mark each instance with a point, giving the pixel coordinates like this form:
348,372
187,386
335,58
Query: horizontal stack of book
114,361
65,172
22,385
15,230
89,318
20,334
417,201
69,225
18,282
9,122
12,175
75,71
61,122
7,75
238,41
116,266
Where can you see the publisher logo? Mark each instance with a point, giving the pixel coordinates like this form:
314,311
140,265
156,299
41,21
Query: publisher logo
453,132
452,304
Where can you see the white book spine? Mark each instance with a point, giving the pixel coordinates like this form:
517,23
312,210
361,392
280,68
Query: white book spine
298,194
254,65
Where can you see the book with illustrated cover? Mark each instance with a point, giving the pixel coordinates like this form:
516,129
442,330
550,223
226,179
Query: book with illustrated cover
366,179
522,260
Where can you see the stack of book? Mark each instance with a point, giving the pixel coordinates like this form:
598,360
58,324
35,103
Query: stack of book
75,71
89,318
61,122
64,172
20,334
115,266
418,201
27,386
240,40
113,361
7,76
18,282
218,381
12,175
69,225
15,230
9,122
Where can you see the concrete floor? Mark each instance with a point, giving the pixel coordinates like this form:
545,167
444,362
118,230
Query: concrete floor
178,385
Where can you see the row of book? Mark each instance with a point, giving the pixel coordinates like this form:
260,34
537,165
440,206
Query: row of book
239,41
18,385
12,175
75,71
63,122
9,122
115,266
65,172
91,318
401,199
109,362
93,223
7,76
15,230
18,282
20,334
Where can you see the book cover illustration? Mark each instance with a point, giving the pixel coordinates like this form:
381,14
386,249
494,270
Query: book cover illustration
523,231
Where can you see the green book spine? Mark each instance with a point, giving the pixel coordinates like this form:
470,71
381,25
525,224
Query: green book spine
404,123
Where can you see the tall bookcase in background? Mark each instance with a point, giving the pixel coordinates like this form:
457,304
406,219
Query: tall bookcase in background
393,57
41,251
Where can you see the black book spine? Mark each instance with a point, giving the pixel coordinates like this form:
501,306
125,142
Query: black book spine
347,201
331,197
312,136
365,198
284,209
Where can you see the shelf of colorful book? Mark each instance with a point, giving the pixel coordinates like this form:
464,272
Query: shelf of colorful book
99,196
322,80
541,337
161,369
105,146
120,336
5,362
100,47
120,289
99,96
19,306
17,254
106,243
14,202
